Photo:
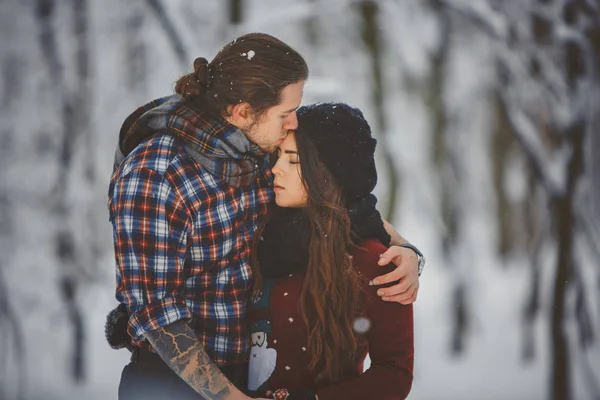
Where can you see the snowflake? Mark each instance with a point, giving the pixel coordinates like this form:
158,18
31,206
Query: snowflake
362,325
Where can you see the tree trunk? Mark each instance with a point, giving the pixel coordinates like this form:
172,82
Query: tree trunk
372,41
235,12
565,232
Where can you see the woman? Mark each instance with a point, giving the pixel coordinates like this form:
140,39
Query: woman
314,316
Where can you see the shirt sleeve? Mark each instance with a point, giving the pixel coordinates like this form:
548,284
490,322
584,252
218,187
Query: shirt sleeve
390,338
150,229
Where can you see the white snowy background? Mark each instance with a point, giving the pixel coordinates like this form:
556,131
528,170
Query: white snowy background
487,115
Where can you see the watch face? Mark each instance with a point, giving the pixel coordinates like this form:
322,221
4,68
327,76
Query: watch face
421,264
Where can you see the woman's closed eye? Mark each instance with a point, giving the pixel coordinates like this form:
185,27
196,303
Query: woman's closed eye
291,157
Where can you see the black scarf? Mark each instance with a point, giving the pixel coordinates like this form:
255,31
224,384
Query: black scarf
283,246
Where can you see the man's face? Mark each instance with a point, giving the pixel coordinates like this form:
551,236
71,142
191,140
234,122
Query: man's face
271,128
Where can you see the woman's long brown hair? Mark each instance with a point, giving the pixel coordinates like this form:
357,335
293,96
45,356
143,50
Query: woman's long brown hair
330,299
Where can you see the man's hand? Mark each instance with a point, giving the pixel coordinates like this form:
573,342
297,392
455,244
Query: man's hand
407,271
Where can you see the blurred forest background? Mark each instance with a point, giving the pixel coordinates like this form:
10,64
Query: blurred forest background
487,115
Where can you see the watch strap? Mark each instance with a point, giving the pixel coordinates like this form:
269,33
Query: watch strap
420,256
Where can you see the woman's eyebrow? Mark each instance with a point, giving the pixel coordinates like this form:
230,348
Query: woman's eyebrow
290,152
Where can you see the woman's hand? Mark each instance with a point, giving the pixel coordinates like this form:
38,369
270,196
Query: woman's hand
254,398
295,394
407,272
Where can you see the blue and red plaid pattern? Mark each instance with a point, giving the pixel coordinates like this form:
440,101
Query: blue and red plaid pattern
182,244
221,148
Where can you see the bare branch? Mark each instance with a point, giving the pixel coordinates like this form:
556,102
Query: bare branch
170,30
551,177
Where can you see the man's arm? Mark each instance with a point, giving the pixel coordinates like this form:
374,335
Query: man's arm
180,349
397,240
407,270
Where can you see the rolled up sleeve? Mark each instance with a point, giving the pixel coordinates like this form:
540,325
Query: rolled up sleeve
151,225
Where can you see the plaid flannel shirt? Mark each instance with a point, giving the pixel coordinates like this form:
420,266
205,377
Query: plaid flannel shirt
182,235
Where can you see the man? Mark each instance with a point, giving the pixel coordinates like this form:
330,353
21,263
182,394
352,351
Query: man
190,186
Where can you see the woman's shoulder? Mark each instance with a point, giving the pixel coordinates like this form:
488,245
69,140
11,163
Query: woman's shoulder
368,249
366,256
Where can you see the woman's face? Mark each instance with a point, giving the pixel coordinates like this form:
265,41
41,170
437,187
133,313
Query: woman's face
289,188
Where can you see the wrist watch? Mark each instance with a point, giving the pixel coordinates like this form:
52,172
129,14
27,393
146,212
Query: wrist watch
420,256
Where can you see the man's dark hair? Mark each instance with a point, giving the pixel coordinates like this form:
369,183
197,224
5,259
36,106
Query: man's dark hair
252,69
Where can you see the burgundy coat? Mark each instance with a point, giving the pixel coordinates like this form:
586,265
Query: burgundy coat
279,356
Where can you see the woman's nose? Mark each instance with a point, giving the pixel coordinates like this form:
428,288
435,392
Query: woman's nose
276,170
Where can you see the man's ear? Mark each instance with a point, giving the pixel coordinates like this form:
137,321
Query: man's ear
240,115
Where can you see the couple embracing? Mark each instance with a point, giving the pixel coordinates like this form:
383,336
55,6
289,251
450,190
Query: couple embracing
251,260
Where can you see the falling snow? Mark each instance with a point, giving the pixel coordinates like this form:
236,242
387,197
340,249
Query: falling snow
362,325
340,70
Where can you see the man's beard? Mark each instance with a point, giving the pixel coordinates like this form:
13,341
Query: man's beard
270,148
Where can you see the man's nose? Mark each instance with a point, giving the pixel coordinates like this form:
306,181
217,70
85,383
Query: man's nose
291,122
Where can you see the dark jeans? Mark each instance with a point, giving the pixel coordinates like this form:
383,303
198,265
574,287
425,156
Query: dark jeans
147,377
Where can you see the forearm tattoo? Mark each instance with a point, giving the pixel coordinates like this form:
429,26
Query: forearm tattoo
179,347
